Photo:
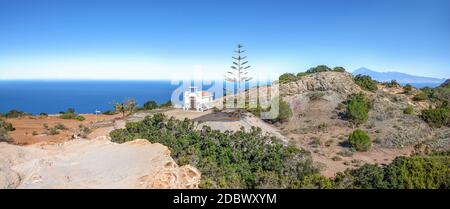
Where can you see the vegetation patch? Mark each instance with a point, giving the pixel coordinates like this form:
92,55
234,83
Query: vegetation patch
408,110
359,140
15,114
4,128
226,159
290,77
436,117
358,109
415,172
391,84
366,82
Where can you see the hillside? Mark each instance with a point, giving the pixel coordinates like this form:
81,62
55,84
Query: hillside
96,163
318,123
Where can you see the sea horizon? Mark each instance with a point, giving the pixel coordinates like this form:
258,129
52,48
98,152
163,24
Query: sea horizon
52,96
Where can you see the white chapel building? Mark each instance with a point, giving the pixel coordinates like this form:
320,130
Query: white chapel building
197,100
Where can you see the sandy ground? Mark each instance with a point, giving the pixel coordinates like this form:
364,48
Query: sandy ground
30,129
96,163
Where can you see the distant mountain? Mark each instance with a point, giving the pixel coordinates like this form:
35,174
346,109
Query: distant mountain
402,78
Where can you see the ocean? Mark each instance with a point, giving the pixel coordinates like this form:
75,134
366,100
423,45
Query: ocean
85,96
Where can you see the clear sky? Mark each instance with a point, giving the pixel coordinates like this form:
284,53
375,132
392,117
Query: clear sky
81,39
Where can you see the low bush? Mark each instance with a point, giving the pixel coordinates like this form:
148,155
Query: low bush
316,181
420,96
60,126
359,140
301,74
318,68
79,118
358,109
6,126
339,69
316,95
436,117
108,112
391,84
150,105
407,89
166,105
415,172
53,131
15,114
287,77
285,112
366,82
408,110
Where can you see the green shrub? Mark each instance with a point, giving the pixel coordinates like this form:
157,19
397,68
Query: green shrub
226,159
287,77
408,110
365,177
415,172
316,181
166,105
391,84
60,126
150,105
419,172
4,137
108,112
6,126
359,140
407,89
301,74
79,118
316,95
15,114
437,117
420,96
339,69
53,131
34,133
318,68
358,109
285,112
67,116
366,82
71,115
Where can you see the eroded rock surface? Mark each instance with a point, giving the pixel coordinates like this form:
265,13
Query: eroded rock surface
96,163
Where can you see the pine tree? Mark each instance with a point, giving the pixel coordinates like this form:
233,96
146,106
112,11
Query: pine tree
238,75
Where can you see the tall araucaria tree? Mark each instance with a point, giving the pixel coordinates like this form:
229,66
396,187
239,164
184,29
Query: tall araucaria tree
238,74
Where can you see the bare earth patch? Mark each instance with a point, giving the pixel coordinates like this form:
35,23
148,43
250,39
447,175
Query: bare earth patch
30,129
97,163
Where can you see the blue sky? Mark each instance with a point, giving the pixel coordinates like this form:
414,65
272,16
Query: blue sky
80,39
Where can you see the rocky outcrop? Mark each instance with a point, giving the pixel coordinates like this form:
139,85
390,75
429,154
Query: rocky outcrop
95,163
340,82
